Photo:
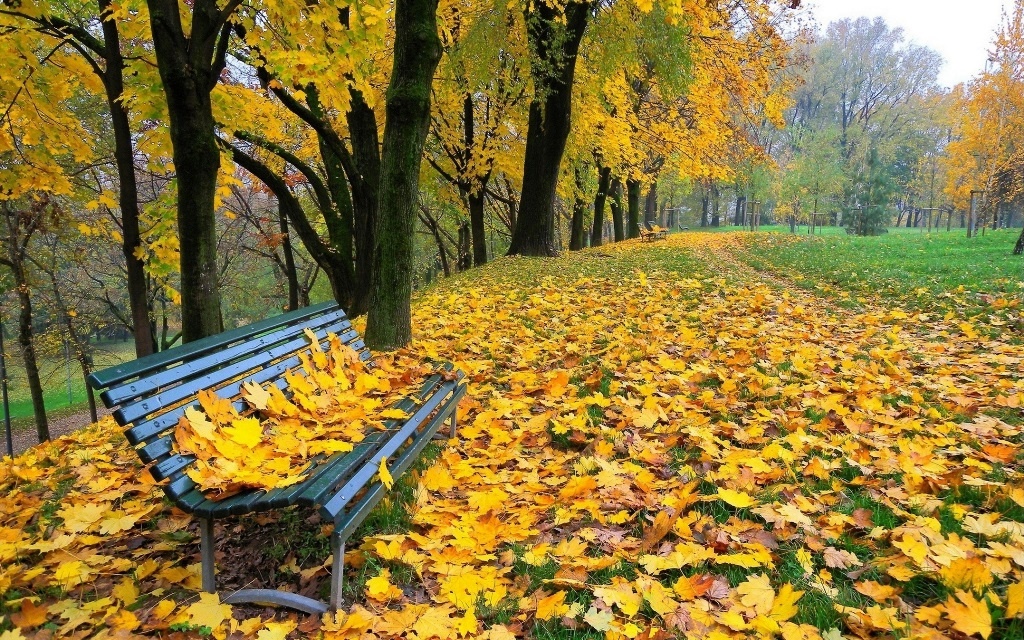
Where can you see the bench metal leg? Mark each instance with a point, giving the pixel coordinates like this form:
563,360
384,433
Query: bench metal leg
452,425
337,570
206,554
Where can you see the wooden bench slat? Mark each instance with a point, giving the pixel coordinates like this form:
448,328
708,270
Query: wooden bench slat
136,368
131,411
189,368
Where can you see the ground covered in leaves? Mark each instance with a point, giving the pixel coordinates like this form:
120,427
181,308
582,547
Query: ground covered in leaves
658,442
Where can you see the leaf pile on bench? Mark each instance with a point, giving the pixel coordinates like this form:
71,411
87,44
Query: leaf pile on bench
334,400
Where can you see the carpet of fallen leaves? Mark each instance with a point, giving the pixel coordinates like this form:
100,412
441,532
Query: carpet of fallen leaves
656,443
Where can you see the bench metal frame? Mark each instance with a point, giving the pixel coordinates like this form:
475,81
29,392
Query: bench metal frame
150,394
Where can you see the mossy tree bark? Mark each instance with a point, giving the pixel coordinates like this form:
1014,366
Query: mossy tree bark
554,35
417,52
190,66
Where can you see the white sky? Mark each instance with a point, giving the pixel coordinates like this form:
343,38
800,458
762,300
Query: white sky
960,31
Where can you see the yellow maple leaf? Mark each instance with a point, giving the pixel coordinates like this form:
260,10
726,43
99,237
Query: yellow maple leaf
380,588
247,432
208,611
757,593
1015,599
620,593
552,606
385,475
969,615
738,499
784,606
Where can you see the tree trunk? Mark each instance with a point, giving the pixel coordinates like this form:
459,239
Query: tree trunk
289,262
604,178
705,207
189,70
579,212
1018,248
633,211
554,36
362,124
128,200
28,354
476,224
651,204
741,202
616,206
417,50
716,219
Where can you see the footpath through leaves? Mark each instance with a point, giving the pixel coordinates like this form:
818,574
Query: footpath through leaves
656,444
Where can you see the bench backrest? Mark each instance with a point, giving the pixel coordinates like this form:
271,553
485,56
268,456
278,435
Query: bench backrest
152,393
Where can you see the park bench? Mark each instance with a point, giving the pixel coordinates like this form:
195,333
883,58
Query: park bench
151,394
650,232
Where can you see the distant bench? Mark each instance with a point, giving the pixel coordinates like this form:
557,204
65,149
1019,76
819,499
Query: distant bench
650,232
151,394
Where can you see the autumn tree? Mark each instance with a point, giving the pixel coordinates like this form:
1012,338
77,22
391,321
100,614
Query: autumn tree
191,56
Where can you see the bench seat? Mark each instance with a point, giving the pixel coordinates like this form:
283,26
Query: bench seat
149,396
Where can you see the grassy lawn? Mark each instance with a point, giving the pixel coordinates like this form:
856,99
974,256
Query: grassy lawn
977,278
54,375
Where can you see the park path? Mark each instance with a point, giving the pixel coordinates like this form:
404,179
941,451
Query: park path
26,437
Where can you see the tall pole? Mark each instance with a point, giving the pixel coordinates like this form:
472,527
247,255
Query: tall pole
3,384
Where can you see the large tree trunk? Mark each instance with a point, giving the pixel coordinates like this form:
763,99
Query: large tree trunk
128,200
554,36
579,212
603,182
189,70
417,51
618,228
633,202
362,124
651,205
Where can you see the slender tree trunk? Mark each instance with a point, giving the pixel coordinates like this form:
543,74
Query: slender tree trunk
17,240
633,210
554,36
479,231
289,263
417,51
716,219
1018,249
128,200
189,71
705,207
740,203
604,178
28,354
618,228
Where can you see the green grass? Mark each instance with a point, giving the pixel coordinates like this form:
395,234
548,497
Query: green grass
53,373
941,271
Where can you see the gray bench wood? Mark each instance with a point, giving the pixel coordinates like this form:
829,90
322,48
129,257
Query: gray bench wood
150,394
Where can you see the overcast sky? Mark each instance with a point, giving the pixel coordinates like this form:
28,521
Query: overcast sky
960,31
